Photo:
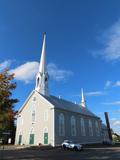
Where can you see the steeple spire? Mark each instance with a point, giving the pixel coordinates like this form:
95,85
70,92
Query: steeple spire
42,67
83,101
42,75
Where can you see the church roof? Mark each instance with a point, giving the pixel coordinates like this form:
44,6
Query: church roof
69,106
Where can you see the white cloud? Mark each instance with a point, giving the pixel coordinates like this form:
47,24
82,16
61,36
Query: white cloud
107,84
5,64
115,103
26,72
111,42
95,93
115,122
117,84
58,74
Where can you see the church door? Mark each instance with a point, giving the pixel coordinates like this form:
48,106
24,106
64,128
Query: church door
31,140
45,138
20,139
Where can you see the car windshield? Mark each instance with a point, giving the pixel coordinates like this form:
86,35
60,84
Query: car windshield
67,141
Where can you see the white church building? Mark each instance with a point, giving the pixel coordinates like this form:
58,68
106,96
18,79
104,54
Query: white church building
49,120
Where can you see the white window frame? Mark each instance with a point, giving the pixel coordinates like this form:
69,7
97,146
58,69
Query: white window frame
73,126
61,124
83,133
97,128
90,127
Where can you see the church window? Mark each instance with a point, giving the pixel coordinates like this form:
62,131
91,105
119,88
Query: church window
33,116
34,98
61,125
90,128
73,126
97,128
46,115
82,127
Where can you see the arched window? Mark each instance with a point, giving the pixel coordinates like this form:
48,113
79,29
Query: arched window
33,115
61,125
90,128
82,127
97,128
73,126
46,115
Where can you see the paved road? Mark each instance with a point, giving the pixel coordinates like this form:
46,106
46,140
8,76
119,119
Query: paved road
111,153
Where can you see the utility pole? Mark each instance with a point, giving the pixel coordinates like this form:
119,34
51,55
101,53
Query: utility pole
108,125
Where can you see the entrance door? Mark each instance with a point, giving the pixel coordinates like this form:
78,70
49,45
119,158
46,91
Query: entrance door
20,139
31,140
45,138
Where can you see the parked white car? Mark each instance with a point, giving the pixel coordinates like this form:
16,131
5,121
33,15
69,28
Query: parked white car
70,145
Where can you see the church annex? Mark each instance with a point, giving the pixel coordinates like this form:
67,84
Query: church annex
49,120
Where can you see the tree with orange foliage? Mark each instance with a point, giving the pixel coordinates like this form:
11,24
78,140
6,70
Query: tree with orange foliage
7,103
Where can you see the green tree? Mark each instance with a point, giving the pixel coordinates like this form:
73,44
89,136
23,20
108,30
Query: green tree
7,103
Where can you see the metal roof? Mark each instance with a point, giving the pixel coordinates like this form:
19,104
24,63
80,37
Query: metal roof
69,106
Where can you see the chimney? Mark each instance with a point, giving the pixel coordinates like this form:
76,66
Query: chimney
108,125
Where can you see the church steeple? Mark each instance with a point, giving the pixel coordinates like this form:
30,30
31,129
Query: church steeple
42,67
83,101
42,75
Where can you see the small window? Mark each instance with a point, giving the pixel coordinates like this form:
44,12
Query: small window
34,98
33,116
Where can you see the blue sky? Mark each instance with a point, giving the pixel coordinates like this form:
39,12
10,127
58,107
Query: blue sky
83,49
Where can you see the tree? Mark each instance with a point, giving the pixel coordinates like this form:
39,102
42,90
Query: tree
7,103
